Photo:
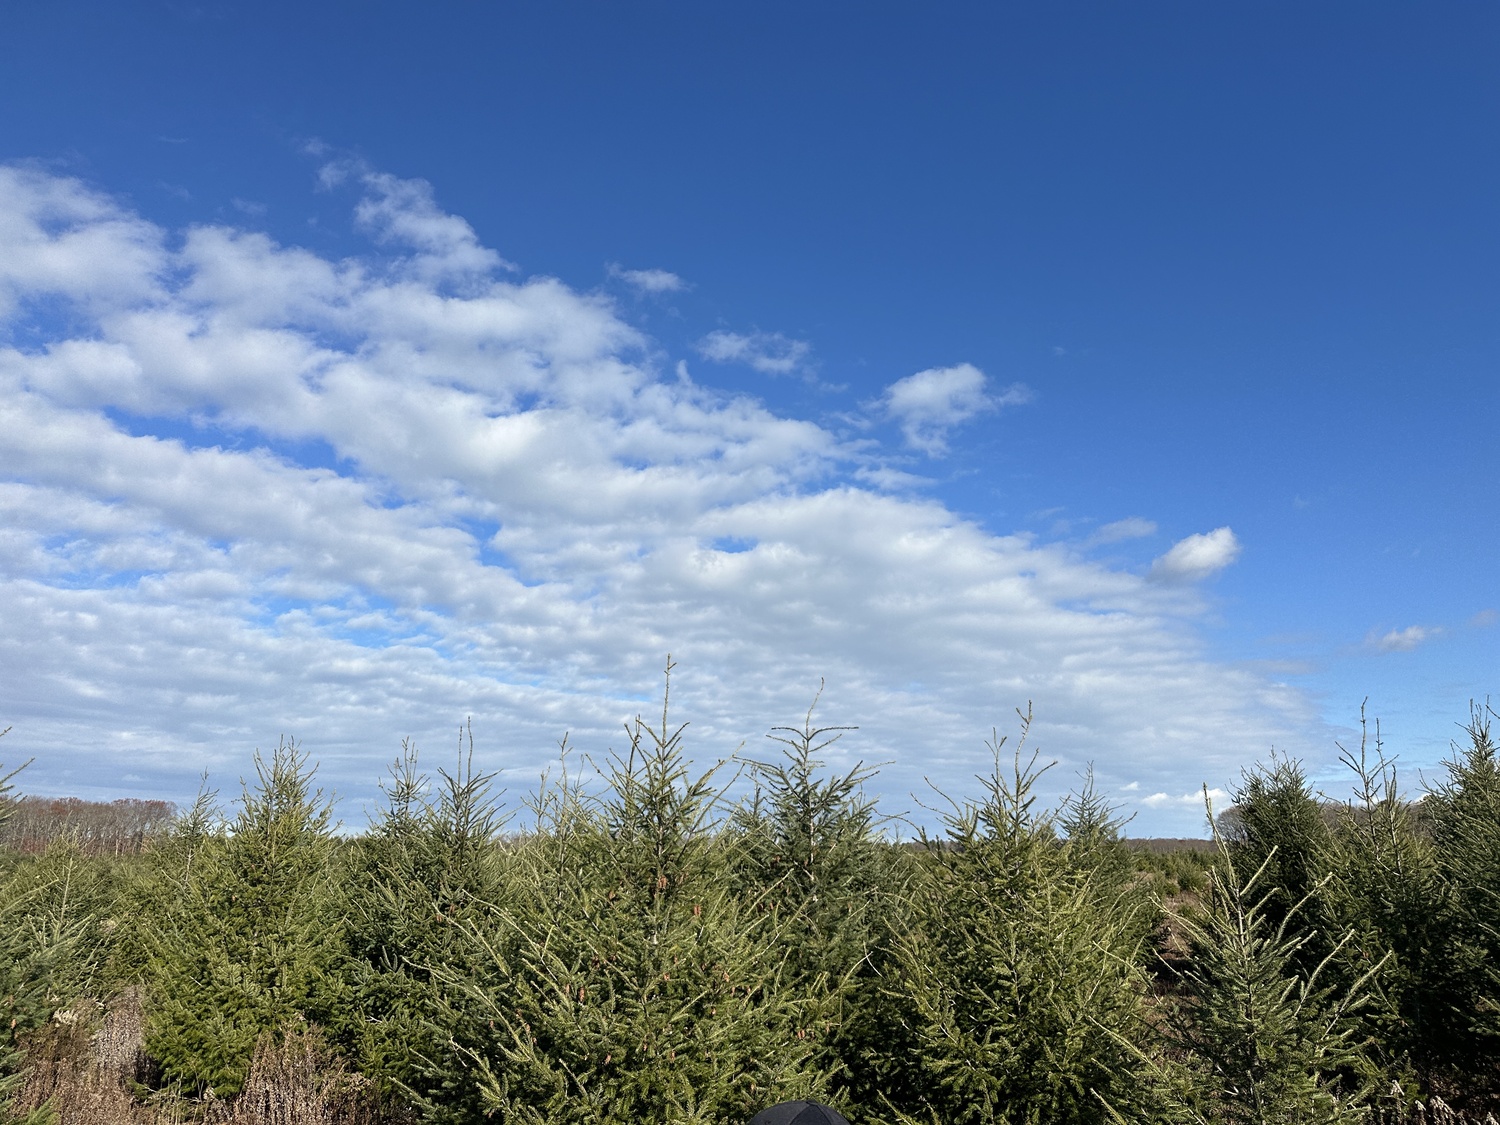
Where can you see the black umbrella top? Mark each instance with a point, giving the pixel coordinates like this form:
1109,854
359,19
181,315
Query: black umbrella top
799,1113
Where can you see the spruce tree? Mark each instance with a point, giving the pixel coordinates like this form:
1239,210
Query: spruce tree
153,893
633,985
1096,849
42,935
1463,812
1385,890
1279,824
1260,1040
1023,987
249,939
809,849
430,866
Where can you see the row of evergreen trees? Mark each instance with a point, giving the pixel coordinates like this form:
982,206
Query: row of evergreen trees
645,952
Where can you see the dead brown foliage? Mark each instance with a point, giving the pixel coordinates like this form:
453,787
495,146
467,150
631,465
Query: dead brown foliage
90,1067
1433,1111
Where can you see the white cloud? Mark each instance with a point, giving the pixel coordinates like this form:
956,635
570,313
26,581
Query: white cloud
1192,800
770,353
360,499
1401,640
60,239
647,281
403,213
930,403
1197,556
1132,527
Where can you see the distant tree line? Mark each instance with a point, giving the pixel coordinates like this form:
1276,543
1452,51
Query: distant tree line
647,951
33,824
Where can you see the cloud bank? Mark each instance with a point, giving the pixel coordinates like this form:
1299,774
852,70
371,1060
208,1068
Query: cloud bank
248,489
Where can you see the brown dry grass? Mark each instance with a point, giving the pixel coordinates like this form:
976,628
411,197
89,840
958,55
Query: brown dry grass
299,1082
1434,1111
90,1066
86,1073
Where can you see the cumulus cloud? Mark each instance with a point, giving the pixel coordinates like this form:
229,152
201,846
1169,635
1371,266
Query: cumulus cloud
930,403
404,212
1197,556
647,281
770,353
62,240
246,490
1401,640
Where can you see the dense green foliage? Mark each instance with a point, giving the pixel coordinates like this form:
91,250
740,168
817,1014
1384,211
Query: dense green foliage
644,949
430,867
247,938
1261,1038
1023,973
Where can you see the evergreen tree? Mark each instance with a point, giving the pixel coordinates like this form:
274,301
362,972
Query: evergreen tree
430,866
809,850
1279,824
1092,829
1261,1041
1096,849
247,945
42,938
1385,891
153,893
1023,987
1463,812
633,985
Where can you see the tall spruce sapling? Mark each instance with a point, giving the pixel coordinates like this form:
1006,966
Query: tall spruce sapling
42,935
1092,831
430,865
632,984
1279,823
60,907
1387,893
808,846
16,1007
1091,825
1463,815
249,947
804,834
157,885
1260,1040
1025,991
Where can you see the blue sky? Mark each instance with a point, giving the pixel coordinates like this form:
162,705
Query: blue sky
369,366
